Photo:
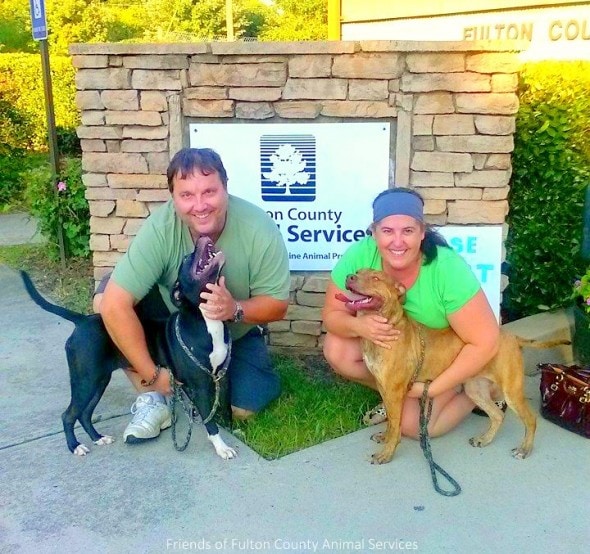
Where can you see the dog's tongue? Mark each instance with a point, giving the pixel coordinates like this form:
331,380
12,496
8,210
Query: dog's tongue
349,297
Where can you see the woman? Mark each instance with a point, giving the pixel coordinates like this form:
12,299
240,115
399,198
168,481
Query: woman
442,291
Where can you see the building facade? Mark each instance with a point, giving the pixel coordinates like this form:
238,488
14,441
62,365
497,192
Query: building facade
554,29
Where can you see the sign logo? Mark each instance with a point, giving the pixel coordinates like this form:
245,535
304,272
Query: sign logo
288,168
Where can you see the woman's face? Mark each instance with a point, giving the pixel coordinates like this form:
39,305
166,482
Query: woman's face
398,239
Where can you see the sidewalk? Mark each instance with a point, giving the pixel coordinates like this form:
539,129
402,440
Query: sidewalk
329,498
18,228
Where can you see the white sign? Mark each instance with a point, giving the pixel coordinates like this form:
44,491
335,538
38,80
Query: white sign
481,248
317,181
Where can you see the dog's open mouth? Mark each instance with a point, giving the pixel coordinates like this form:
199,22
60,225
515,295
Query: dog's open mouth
207,260
356,302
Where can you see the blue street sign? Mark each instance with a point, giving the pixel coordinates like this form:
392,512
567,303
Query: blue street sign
38,19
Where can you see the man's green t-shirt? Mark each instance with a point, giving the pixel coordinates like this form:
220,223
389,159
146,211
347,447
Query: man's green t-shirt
443,286
257,262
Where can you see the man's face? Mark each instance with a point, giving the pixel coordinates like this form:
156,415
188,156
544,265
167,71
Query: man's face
201,202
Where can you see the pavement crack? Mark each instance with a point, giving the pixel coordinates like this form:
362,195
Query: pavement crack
60,432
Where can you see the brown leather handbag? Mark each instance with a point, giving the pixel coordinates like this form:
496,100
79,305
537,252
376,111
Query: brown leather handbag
565,396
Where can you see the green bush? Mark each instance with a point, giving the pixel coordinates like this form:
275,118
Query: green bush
61,204
11,183
12,150
551,170
21,86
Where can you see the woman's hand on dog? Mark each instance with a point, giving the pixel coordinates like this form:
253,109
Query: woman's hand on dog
375,328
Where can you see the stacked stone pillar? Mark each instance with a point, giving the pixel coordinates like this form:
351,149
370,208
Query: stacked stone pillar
452,106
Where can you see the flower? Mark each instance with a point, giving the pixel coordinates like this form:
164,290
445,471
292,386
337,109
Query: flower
581,292
61,186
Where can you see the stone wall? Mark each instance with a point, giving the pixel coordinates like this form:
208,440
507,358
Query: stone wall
453,105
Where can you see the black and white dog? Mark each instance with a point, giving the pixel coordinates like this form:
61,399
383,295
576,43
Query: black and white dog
194,348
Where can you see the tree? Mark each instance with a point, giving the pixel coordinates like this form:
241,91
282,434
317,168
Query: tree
202,20
76,21
297,20
15,27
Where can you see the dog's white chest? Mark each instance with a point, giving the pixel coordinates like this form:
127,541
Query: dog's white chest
219,350
372,362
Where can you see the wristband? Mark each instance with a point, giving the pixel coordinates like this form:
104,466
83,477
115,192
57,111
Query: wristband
149,383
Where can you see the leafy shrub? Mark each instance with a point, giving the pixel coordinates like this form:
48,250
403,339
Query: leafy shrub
21,86
551,170
11,184
581,292
12,142
68,143
61,204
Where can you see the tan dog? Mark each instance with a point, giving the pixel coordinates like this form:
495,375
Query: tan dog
397,368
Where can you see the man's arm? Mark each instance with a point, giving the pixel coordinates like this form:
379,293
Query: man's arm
125,329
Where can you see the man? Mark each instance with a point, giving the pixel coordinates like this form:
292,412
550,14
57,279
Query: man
253,290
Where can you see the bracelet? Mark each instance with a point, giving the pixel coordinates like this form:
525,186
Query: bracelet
149,383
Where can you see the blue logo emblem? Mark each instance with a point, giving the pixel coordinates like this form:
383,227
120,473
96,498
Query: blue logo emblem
288,168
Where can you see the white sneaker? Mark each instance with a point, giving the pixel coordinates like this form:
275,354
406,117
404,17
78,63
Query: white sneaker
150,416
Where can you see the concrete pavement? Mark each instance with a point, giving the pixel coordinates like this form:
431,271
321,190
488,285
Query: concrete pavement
18,228
329,498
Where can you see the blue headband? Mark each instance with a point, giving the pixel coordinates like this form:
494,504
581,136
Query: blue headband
398,203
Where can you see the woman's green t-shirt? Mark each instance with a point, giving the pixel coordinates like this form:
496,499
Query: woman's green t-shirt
443,286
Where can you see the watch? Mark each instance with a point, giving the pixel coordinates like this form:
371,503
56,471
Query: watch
238,313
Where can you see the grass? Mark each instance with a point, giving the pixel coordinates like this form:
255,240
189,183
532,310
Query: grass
315,405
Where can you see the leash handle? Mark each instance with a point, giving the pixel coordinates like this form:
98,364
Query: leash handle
425,413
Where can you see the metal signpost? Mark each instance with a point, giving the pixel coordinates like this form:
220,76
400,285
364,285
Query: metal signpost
39,26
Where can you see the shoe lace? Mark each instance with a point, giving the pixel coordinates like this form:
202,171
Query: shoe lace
141,408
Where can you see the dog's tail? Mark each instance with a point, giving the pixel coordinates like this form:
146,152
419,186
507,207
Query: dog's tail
70,315
532,343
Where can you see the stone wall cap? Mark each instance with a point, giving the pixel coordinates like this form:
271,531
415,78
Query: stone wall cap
293,47
299,47
139,48
218,48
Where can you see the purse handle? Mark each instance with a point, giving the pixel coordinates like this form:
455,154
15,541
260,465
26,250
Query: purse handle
558,371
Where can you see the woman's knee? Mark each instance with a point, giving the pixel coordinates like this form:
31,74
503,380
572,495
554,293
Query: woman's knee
340,351
345,358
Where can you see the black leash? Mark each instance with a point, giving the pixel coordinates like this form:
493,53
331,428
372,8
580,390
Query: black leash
425,412
178,394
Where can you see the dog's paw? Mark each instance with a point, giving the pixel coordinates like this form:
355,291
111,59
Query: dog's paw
478,442
104,440
520,453
81,450
223,450
226,453
378,437
381,458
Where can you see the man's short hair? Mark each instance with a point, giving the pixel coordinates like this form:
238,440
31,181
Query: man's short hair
188,160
